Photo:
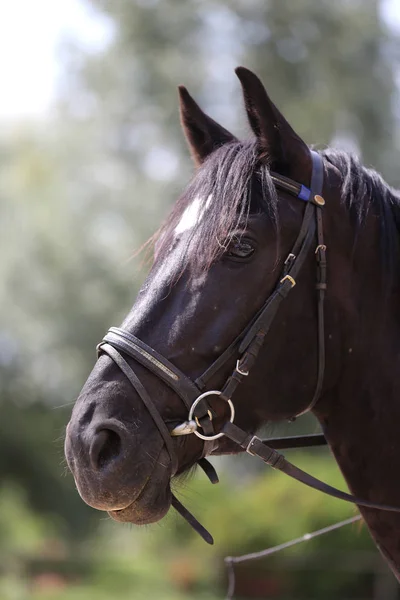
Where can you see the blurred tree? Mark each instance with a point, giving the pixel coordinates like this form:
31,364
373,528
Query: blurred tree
332,70
330,67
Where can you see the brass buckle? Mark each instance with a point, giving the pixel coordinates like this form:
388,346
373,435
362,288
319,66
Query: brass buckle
289,278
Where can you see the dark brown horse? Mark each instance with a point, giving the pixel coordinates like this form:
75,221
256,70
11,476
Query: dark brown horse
219,257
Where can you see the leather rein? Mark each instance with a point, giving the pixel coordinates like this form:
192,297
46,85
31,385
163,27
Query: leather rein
245,348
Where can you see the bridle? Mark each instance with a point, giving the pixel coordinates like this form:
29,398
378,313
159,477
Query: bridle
245,348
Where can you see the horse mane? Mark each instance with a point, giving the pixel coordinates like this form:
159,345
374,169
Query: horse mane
364,190
231,184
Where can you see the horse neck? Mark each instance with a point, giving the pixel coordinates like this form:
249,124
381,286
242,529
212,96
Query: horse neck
362,430
360,412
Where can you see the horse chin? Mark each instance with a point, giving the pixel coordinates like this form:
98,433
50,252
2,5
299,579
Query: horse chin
151,505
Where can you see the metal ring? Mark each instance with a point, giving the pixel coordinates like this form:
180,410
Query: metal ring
195,403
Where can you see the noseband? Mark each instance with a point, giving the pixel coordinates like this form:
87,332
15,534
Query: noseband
245,349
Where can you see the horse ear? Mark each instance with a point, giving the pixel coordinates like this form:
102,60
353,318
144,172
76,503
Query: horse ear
202,133
280,147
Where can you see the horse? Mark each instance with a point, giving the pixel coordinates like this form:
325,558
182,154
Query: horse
274,291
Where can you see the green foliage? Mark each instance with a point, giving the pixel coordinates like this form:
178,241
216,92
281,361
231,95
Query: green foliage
169,561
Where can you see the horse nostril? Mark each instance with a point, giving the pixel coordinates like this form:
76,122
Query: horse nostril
105,447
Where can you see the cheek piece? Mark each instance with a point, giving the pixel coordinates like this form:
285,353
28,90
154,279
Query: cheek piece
245,349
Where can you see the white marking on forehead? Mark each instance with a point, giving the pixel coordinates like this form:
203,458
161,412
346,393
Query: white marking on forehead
193,214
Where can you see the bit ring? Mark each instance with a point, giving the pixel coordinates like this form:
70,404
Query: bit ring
196,402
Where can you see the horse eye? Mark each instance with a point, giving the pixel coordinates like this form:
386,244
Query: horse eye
242,248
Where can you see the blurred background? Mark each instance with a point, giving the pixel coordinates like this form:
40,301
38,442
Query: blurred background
91,160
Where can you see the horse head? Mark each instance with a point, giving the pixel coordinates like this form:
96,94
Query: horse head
225,250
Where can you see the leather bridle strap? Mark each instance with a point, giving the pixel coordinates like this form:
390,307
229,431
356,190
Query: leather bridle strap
292,266
321,286
254,339
183,511
156,363
297,441
147,401
256,447
152,360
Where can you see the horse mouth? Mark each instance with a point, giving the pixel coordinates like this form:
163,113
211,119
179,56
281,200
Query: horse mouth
153,502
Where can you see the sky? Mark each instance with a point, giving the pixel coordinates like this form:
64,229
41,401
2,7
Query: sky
31,36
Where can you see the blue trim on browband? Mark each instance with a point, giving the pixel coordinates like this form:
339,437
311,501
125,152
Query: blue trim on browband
304,193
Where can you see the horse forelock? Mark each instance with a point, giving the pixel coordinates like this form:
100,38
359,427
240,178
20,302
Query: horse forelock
229,186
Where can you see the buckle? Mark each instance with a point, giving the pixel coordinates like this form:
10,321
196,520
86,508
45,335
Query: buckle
289,259
239,370
289,278
250,443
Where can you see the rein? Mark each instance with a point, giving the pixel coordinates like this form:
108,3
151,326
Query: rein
245,348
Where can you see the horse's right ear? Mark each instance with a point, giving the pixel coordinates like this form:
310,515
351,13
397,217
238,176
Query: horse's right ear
202,133
279,146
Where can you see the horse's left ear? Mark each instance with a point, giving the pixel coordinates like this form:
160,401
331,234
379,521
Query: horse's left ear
279,146
203,134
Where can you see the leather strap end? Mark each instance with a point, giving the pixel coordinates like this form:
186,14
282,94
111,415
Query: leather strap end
202,531
209,470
